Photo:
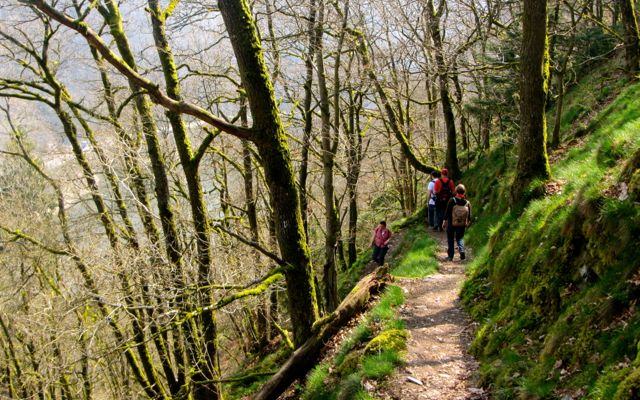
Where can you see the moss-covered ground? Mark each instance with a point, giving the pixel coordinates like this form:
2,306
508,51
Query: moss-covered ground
555,285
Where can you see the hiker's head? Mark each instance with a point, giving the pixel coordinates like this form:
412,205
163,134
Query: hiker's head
444,172
383,223
434,174
460,189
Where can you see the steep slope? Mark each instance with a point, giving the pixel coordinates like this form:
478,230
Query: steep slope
555,285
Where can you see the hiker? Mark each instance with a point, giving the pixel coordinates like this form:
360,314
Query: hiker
444,188
380,242
431,195
457,219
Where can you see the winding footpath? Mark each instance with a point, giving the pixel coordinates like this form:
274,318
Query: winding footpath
438,364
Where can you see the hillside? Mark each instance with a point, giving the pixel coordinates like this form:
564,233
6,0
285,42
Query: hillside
554,286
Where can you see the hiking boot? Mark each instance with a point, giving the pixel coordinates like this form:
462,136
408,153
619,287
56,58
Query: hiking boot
462,256
450,259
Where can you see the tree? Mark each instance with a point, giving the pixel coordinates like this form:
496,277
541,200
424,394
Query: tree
534,71
631,38
433,17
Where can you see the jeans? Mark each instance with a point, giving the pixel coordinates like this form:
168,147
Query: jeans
440,210
379,253
431,216
458,233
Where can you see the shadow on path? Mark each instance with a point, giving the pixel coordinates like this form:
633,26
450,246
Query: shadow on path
440,337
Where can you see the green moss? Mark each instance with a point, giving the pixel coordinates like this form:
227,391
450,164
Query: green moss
550,283
361,356
392,339
349,363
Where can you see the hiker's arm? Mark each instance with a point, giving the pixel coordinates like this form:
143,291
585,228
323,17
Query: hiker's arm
386,242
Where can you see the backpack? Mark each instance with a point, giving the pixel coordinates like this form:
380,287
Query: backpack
459,214
445,192
433,193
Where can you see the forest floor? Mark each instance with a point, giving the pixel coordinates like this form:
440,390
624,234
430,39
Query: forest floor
438,365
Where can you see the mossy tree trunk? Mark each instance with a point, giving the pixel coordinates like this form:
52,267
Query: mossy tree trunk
534,71
112,16
433,17
459,104
270,139
329,145
267,133
204,360
355,154
307,113
631,37
392,117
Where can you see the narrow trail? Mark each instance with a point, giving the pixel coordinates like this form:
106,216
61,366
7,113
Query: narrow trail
440,336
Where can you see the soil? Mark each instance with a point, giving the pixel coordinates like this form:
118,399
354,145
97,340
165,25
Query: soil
438,363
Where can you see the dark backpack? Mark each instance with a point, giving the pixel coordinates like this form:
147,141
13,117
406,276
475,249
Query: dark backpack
445,192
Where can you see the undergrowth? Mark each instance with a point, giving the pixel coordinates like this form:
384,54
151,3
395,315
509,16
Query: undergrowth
362,356
555,285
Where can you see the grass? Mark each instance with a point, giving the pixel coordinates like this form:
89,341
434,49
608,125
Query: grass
377,345
342,377
271,362
552,285
418,255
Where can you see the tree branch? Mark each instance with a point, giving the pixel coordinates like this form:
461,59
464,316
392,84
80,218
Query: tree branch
156,94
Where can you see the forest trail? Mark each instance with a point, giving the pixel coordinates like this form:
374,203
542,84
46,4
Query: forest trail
440,336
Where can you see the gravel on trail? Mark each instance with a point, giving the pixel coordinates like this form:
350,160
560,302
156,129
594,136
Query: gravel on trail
438,364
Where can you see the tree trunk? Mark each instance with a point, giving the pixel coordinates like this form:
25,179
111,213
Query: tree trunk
459,99
307,115
271,141
631,38
305,357
354,153
447,109
173,248
391,114
555,138
205,359
330,273
534,66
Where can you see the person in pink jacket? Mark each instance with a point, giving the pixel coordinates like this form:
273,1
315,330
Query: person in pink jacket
380,242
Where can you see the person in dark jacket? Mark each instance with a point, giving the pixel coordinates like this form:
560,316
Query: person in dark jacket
444,188
456,219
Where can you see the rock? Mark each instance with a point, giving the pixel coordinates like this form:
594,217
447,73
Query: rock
368,387
414,380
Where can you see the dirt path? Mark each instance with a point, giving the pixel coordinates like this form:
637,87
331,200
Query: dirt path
440,335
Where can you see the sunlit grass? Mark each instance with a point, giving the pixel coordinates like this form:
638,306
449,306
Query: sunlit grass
342,377
418,255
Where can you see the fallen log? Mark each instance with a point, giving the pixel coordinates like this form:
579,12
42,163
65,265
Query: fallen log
306,356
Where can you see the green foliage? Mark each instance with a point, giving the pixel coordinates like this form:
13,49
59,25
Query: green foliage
348,279
270,362
380,365
373,350
316,388
555,285
418,255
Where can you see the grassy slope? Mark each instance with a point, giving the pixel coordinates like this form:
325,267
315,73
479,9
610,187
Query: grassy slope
555,285
376,346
